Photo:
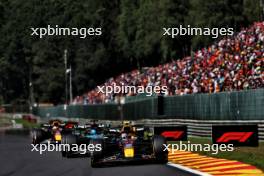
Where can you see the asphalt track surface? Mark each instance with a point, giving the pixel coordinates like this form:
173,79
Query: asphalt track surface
16,159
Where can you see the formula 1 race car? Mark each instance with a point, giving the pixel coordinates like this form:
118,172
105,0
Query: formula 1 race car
130,144
81,135
51,131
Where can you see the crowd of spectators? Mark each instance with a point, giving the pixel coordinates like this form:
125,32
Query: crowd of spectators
231,64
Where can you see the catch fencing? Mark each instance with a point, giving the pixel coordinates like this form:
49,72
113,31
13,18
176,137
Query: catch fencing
242,105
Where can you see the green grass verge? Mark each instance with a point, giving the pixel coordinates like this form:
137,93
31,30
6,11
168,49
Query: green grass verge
249,155
26,124
5,122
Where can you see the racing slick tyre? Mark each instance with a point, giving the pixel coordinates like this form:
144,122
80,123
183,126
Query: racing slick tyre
68,139
37,135
158,149
96,155
63,153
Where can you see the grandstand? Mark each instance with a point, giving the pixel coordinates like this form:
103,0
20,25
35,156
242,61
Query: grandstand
231,64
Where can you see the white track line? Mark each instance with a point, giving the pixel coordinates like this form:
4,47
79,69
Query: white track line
196,172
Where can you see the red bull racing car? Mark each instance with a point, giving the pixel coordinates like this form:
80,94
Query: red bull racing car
129,144
51,131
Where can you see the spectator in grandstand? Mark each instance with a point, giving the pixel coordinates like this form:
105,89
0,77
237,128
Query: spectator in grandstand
231,64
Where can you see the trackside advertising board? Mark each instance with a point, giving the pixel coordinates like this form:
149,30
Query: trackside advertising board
239,135
172,133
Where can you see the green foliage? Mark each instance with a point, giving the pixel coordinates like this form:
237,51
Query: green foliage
132,38
252,10
215,13
26,124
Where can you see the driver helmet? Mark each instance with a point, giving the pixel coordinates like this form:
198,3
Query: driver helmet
124,136
93,132
54,128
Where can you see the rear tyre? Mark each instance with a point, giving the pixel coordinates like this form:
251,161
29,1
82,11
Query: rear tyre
158,149
69,140
95,163
96,155
37,136
63,153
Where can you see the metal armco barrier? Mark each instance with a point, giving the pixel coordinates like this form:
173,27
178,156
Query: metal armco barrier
105,111
203,128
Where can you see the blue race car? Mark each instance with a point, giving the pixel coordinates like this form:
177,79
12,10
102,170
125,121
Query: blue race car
77,143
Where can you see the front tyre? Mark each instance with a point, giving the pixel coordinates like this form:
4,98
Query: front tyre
158,149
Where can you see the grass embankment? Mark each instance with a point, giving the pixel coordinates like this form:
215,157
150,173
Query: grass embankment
249,155
5,122
26,124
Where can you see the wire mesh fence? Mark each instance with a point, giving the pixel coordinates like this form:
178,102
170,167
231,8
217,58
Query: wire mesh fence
243,105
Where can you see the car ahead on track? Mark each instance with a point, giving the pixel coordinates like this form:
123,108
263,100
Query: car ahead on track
51,131
80,137
69,126
129,144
